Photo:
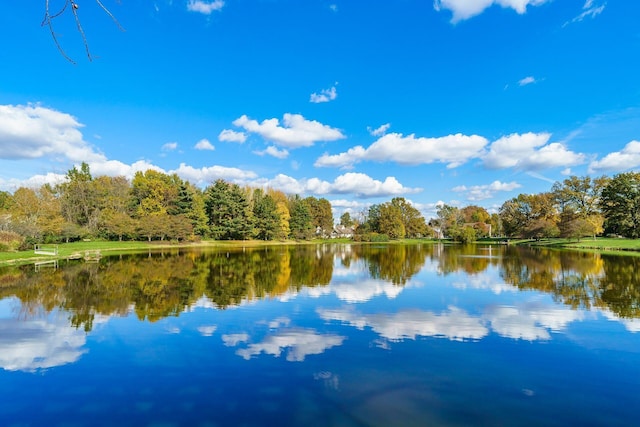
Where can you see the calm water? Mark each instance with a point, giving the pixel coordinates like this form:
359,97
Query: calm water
323,335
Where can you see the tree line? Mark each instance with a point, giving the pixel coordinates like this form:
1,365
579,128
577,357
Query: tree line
574,208
160,285
158,206
155,206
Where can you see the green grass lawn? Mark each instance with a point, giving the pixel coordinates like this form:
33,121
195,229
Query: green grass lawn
66,250
599,244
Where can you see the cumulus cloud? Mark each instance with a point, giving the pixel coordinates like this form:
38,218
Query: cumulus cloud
530,321
232,340
618,161
273,151
170,146
33,131
589,10
207,330
527,81
29,345
343,203
204,144
295,131
229,135
465,9
357,291
379,131
204,7
344,160
486,191
411,150
358,184
325,95
118,168
297,342
206,175
530,151
454,324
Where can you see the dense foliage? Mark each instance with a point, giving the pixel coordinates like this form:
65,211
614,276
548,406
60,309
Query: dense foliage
155,206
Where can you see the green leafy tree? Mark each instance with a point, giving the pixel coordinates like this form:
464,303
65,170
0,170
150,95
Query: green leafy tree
577,200
227,208
414,223
154,193
620,204
449,220
301,220
78,198
391,222
265,213
346,220
321,215
530,215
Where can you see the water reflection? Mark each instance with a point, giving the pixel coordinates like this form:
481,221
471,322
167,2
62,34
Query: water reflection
36,342
158,285
45,315
322,335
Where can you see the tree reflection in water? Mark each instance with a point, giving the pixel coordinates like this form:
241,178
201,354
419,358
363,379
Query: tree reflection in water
157,285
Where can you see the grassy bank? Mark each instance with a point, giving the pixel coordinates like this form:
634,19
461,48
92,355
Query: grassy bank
79,249
590,244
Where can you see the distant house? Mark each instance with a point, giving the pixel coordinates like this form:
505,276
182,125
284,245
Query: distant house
340,231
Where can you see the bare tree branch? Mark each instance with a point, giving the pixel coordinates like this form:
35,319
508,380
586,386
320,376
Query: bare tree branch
73,5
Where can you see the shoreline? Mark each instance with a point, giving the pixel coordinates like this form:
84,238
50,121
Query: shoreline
74,250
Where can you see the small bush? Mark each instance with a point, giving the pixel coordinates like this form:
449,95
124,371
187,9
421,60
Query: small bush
10,241
371,237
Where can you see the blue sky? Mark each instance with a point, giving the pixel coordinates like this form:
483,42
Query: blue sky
455,101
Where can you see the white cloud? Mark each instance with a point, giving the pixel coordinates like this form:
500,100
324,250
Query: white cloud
207,330
325,95
454,324
273,151
530,321
409,150
379,131
485,282
204,144
118,168
618,161
32,131
527,81
589,10
529,151
232,340
486,191
170,146
465,9
229,135
344,160
298,343
29,345
207,175
358,291
35,181
204,7
333,7
295,132
343,203
29,132
358,184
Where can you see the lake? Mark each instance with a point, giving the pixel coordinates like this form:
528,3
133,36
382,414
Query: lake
326,335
